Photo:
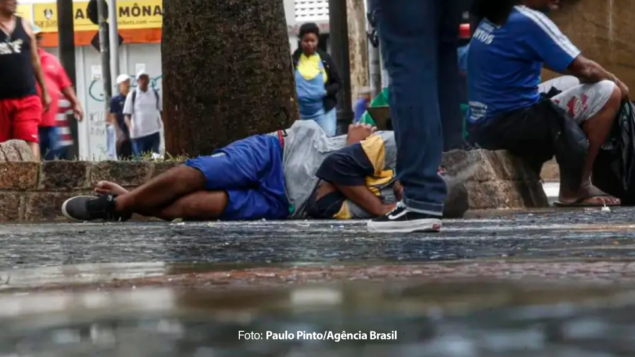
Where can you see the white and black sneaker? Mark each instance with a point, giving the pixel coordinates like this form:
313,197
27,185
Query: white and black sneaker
403,220
91,208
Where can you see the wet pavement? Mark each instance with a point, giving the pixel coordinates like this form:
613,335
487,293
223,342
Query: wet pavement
559,241
544,283
434,320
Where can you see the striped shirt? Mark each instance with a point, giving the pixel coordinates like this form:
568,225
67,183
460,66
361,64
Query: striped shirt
64,130
505,62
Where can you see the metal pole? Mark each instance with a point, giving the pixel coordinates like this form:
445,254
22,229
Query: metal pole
114,43
66,44
340,53
105,53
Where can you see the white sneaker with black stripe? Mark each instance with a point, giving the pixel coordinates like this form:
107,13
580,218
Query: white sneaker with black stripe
403,220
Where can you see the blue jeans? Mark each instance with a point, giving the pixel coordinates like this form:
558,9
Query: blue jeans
49,141
327,121
418,42
111,140
146,144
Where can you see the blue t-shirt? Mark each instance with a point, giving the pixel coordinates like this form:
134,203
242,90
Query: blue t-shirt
462,55
116,107
505,62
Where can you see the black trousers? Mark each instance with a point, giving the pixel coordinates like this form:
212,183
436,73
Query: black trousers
536,134
124,150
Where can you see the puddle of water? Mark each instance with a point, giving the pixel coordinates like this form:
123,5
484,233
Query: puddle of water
469,319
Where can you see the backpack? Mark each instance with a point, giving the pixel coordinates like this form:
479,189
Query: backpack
156,95
614,167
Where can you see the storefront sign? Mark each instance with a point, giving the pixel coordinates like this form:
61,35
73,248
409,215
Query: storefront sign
25,12
130,15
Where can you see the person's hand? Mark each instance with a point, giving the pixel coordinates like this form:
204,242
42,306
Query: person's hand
46,102
359,132
623,88
397,188
79,113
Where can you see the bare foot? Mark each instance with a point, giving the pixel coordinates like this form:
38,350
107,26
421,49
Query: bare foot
588,195
109,188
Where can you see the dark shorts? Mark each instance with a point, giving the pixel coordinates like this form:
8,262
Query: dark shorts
536,134
349,166
251,172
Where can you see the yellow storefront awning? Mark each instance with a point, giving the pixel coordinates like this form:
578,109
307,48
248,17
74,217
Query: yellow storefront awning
142,14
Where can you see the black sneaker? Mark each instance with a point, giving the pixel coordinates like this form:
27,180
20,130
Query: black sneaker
402,220
91,208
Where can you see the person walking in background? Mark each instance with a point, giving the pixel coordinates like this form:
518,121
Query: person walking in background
362,103
418,42
142,113
64,136
116,118
60,88
20,106
317,80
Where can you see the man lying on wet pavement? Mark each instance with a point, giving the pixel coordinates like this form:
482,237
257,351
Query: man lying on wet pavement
294,173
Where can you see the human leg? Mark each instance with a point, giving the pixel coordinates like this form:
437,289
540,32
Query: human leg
111,142
346,171
231,205
408,30
253,164
594,107
26,116
197,206
154,143
137,147
328,122
249,173
124,149
561,84
449,103
46,144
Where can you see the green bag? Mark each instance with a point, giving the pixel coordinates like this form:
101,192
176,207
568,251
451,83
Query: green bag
379,101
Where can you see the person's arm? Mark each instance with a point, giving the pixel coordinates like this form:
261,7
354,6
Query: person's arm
112,119
550,45
37,67
347,170
589,71
335,80
66,86
69,93
127,111
160,107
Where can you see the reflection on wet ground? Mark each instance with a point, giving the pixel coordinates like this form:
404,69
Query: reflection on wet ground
575,234
460,292
470,319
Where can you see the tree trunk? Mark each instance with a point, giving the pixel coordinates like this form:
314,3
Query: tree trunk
227,72
357,46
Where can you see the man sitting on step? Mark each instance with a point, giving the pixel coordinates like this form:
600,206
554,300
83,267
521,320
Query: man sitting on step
295,173
507,111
